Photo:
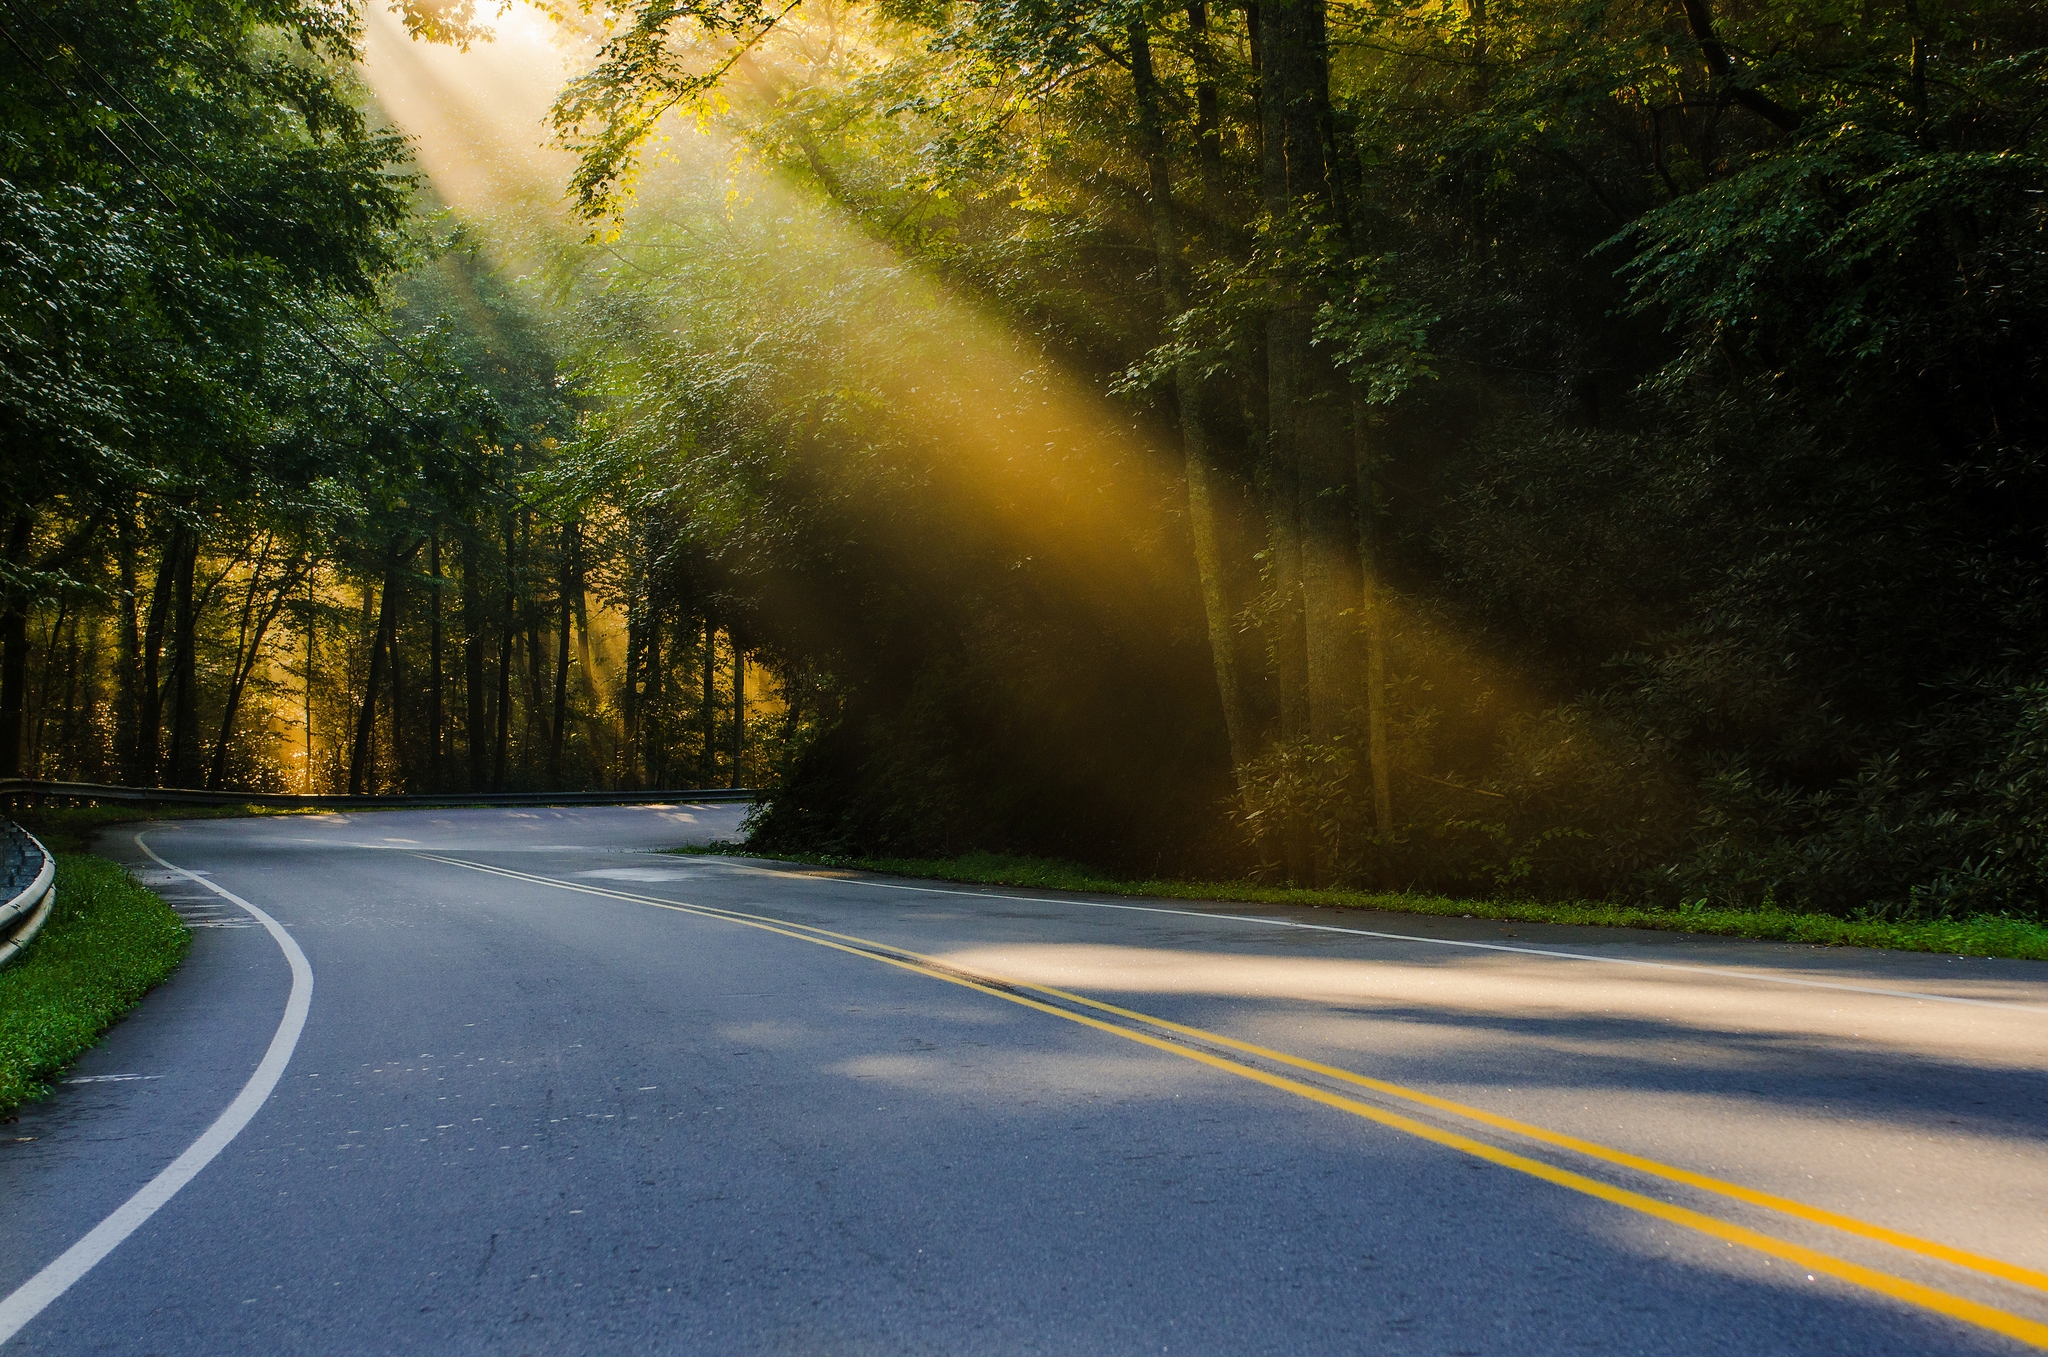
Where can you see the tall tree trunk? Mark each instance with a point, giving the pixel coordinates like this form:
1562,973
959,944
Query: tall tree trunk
360,770
245,668
501,744
1209,128
654,745
707,772
1372,607
565,583
476,730
629,693
82,719
312,635
14,655
1286,345
504,724
739,711
538,736
185,667
216,770
38,716
1192,401
1307,404
128,650
1308,424
149,731
435,779
403,769
361,760
586,664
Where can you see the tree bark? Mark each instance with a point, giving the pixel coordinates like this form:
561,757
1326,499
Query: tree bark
739,711
185,666
565,583
312,631
504,731
538,737
403,769
435,781
1283,360
254,626
476,730
654,747
359,760
1699,17
128,682
37,717
1372,608
149,727
1209,128
216,769
707,771
1191,398
14,655
1309,407
629,690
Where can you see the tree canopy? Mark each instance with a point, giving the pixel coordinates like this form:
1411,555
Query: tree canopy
1549,447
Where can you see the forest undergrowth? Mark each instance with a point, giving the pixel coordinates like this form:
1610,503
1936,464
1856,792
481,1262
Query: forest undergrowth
1978,936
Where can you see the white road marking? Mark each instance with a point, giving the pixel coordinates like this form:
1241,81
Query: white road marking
1720,971
29,1299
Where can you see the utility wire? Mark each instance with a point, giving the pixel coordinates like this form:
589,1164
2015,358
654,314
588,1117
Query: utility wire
227,195
367,384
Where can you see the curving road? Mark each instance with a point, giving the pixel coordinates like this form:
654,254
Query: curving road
508,1082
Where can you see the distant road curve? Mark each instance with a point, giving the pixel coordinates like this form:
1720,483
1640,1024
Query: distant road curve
546,1090
12,788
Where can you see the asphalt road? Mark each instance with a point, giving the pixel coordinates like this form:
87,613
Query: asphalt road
535,1107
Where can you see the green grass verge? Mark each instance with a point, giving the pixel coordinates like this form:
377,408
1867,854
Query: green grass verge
108,942
1985,935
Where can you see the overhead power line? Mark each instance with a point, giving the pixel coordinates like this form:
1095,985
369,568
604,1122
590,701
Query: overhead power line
292,304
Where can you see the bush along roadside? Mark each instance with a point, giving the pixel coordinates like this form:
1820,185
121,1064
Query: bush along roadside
1988,935
109,941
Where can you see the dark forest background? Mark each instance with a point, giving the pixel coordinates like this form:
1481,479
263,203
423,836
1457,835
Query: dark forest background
1546,448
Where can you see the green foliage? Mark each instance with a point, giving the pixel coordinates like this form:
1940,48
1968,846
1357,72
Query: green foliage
1988,935
1660,386
108,942
1692,357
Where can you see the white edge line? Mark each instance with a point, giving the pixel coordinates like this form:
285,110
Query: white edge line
29,1299
1724,971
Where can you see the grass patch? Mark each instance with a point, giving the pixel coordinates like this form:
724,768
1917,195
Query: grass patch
1984,935
108,942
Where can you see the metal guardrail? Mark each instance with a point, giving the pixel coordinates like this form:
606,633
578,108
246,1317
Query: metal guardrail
18,789
28,889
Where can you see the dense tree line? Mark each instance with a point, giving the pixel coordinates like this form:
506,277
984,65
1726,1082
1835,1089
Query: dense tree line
1560,446
281,510
1608,435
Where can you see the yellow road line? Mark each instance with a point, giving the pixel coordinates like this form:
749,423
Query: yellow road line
1976,1262
1898,1288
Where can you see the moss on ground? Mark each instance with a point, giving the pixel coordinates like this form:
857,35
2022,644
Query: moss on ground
1984,935
108,942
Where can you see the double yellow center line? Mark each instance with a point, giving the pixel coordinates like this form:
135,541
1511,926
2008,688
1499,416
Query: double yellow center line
1811,1260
